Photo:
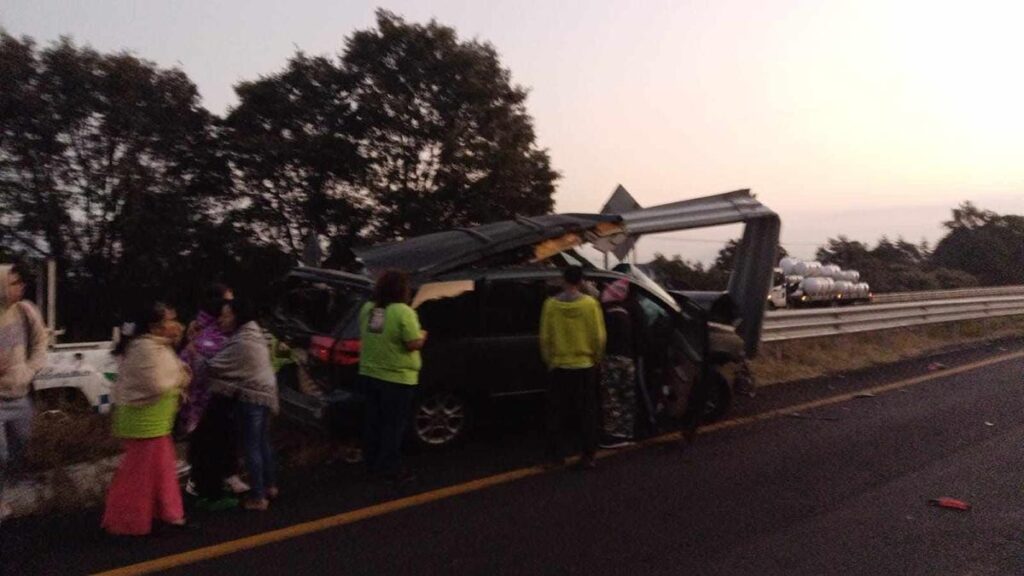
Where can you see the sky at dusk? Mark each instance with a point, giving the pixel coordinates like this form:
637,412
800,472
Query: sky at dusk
858,117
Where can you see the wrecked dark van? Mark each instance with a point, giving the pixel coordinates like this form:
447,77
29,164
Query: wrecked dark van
479,293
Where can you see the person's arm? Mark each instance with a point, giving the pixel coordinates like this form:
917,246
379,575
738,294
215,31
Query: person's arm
40,338
545,334
600,334
413,336
417,344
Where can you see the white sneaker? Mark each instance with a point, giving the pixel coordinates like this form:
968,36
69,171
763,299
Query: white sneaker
613,442
236,485
182,468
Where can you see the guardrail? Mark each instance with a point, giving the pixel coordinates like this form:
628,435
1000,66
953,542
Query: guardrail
928,295
791,325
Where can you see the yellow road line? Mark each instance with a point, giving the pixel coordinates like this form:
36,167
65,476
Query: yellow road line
297,530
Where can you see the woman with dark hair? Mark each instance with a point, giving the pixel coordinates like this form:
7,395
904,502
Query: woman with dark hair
243,371
208,421
150,381
389,368
204,340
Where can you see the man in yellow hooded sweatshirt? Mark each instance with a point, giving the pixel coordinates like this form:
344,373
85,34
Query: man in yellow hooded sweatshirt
572,340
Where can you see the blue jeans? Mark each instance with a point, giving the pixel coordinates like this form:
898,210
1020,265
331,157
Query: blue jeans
15,429
255,424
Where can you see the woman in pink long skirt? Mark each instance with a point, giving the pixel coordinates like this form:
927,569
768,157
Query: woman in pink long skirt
149,384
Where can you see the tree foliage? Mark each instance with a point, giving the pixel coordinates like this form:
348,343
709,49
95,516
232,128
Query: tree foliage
108,164
293,147
984,244
409,131
448,140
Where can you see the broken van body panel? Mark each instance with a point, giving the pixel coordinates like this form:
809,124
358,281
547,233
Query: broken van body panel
526,240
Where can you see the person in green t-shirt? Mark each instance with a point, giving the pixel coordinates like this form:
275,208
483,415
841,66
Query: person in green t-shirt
389,370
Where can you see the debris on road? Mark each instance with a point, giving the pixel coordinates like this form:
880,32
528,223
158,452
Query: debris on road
950,503
803,416
864,395
990,423
936,366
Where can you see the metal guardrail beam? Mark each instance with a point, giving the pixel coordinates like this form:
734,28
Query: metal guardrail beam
791,325
926,295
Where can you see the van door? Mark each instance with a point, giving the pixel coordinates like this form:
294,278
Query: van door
508,351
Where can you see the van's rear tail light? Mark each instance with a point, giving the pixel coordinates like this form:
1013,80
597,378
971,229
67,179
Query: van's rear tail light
331,351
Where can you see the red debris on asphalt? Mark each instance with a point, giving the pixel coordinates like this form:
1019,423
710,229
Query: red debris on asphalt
950,503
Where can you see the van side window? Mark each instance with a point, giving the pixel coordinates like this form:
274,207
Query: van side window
513,306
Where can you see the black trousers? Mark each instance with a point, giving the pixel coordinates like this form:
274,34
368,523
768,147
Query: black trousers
388,410
213,447
573,411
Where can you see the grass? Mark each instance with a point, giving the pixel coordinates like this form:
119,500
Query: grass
63,438
808,358
66,436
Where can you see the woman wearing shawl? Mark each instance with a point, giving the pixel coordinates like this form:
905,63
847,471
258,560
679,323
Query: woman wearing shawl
242,371
149,384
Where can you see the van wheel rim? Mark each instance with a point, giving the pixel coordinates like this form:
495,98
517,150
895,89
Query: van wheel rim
440,419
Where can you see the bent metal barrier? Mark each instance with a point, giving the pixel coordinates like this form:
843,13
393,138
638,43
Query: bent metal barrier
791,325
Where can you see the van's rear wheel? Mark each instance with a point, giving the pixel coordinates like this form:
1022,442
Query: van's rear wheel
440,419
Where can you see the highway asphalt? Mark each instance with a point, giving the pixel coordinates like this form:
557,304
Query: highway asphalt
840,487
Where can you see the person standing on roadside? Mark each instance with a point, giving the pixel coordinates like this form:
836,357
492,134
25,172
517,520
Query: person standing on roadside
618,369
150,382
389,370
572,342
242,371
23,343
209,423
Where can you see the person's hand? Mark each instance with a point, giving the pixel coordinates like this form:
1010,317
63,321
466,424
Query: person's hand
187,379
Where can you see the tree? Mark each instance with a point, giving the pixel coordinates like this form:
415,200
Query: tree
108,164
679,274
293,142
410,131
843,252
727,255
446,138
984,244
968,217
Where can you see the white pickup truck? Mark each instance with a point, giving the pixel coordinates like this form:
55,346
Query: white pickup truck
87,367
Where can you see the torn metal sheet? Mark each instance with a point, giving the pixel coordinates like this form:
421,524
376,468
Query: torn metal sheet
506,242
439,290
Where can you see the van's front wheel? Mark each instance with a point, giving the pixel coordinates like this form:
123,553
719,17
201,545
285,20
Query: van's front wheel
440,419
